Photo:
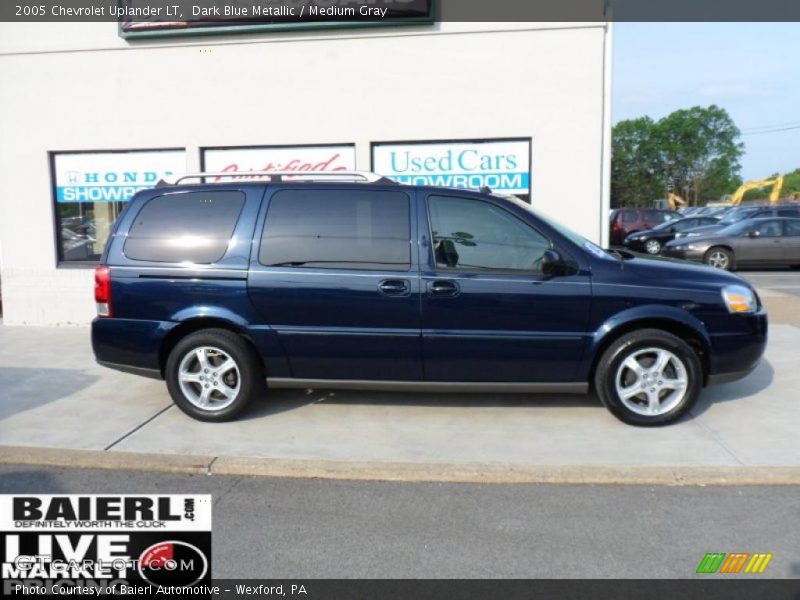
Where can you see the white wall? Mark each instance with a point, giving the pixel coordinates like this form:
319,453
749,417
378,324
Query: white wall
78,86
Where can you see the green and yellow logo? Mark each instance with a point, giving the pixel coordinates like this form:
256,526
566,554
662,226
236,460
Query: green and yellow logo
733,563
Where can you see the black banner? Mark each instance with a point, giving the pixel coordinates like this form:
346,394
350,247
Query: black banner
168,15
439,589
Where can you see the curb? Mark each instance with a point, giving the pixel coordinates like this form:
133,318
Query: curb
399,472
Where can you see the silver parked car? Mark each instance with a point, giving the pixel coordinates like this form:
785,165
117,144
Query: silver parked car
752,242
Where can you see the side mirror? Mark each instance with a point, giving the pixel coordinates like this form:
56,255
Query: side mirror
554,264
753,234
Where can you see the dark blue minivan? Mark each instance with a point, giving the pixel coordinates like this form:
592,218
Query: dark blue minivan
232,288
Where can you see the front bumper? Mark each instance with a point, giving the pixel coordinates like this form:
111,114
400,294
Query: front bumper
634,245
737,352
695,255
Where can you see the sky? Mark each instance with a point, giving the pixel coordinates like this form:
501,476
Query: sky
750,69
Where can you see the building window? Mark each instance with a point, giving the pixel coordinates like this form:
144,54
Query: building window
91,189
337,229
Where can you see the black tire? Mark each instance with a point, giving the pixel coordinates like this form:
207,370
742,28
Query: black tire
248,374
610,367
715,251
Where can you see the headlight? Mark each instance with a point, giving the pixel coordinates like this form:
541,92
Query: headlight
739,299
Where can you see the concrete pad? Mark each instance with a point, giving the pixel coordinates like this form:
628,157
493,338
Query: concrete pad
425,428
53,394
782,309
756,420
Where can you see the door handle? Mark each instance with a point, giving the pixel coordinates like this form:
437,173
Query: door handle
444,288
394,287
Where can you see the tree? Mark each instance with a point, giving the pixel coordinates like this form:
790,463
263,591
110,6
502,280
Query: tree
700,152
634,163
695,150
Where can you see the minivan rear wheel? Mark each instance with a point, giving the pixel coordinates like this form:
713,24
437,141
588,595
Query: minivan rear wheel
213,374
649,377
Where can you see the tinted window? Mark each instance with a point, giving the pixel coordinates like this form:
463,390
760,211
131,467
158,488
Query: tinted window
654,216
629,216
788,212
338,229
192,227
473,235
769,229
682,225
793,228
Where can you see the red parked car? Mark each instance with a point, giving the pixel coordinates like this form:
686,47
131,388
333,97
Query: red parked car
625,221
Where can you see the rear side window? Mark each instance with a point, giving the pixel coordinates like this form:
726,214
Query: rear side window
793,228
654,216
629,217
788,212
192,227
337,229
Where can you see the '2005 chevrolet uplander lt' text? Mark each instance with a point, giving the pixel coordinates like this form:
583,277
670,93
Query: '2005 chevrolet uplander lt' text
351,281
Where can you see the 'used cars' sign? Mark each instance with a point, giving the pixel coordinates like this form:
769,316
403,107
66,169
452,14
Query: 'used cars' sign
503,166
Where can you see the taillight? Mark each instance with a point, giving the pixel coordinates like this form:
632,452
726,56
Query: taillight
617,226
102,290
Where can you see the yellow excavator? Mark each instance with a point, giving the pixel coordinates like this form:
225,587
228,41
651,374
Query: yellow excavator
774,197
675,201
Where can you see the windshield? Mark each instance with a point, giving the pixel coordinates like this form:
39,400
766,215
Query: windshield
664,225
735,229
575,238
737,216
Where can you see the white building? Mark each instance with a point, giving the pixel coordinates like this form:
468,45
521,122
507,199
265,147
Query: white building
524,105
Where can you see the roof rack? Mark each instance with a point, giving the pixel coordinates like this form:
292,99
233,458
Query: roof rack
278,176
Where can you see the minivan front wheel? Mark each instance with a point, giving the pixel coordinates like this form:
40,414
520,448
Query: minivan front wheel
649,377
213,374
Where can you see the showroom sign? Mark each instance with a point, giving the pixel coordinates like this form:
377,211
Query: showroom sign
251,160
502,165
112,176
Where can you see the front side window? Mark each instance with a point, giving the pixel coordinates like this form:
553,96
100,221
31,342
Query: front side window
338,229
472,235
193,227
769,229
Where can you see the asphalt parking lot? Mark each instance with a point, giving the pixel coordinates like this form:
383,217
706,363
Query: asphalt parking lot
53,395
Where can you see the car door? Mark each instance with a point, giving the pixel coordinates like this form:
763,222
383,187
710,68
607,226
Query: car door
763,242
792,241
335,276
488,312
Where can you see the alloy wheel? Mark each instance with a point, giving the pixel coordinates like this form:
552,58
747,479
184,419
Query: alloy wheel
651,381
718,259
653,247
209,378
